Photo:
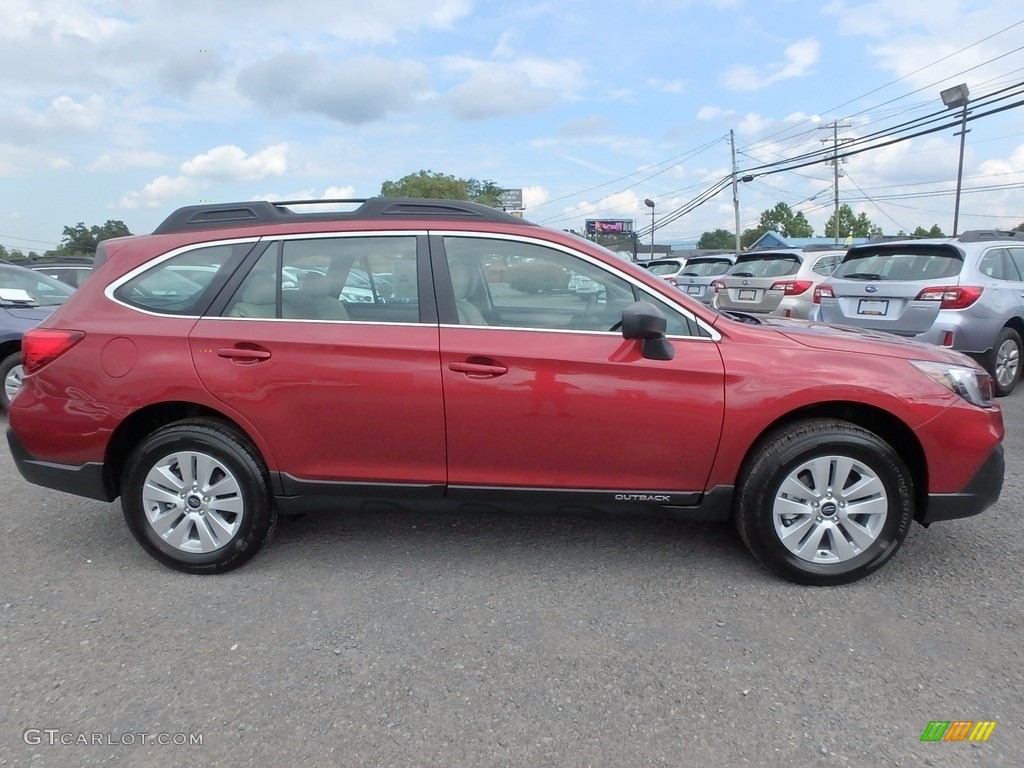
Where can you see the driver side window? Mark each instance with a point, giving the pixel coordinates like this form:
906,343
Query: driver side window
512,284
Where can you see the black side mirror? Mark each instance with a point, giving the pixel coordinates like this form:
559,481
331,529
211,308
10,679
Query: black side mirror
644,321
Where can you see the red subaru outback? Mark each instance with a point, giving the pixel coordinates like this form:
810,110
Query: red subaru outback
248,360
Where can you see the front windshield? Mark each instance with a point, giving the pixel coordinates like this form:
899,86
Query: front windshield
45,290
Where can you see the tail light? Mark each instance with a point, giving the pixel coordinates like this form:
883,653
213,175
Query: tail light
952,296
718,285
823,292
672,281
40,346
792,287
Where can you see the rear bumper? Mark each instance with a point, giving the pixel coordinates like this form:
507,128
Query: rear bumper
980,493
84,480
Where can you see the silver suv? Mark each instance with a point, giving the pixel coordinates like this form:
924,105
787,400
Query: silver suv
966,293
776,282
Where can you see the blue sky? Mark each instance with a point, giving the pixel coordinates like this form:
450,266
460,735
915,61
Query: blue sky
128,109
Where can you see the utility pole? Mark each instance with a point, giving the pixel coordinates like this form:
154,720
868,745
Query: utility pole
835,163
735,189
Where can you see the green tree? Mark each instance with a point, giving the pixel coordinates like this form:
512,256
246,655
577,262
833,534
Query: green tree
851,225
719,239
1019,227
780,219
444,187
82,240
935,231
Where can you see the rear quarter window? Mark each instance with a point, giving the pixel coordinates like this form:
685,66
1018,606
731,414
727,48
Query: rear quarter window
181,284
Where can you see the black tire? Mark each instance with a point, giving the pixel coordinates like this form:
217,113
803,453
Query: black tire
838,547
196,532
10,377
1003,361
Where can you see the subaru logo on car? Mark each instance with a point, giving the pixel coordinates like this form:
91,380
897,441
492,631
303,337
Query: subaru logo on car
746,282
871,288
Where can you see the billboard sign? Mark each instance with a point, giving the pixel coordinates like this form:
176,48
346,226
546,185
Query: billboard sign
511,199
609,226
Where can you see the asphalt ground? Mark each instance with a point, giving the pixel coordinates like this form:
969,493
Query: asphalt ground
384,637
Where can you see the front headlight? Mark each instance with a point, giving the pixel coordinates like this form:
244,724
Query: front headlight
972,384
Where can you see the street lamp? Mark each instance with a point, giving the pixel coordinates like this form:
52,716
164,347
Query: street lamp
650,204
954,97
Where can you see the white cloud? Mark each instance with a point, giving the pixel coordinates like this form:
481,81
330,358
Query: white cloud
226,163
666,86
800,59
230,163
534,196
515,86
124,159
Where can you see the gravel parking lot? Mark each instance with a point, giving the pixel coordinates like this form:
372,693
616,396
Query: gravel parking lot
397,638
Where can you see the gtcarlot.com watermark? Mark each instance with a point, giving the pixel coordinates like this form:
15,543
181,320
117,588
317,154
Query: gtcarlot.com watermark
53,737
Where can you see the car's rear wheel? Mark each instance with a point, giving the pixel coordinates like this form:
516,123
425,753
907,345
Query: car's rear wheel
824,502
10,373
196,497
1004,361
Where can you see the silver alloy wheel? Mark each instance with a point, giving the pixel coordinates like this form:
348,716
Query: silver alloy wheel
193,502
12,381
1007,363
830,509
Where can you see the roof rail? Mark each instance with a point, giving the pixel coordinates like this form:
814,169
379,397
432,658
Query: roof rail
824,247
979,235
218,215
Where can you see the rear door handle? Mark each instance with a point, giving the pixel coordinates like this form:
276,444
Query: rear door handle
244,354
478,370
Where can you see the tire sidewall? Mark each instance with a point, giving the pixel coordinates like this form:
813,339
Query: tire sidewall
7,365
861,447
257,517
1006,334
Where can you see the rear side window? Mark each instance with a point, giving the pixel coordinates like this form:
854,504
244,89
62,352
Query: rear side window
766,265
181,285
826,264
901,263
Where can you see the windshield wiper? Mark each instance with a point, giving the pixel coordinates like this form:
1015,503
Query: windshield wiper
742,274
742,317
862,276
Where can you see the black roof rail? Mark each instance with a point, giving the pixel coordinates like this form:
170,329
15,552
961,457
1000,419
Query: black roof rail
218,215
979,235
887,238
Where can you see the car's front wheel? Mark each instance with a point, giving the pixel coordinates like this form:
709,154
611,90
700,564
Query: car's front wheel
10,373
824,502
196,496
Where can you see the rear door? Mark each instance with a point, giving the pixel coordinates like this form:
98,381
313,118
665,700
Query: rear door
342,390
887,287
543,393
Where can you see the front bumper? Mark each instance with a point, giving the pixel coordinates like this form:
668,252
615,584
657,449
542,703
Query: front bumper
978,495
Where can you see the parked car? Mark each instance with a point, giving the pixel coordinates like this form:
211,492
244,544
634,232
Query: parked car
71,271
211,414
965,293
666,269
699,274
26,297
775,282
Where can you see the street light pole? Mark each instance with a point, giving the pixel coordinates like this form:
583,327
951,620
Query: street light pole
650,204
958,96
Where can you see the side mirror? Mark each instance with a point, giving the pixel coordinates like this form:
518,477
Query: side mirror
643,321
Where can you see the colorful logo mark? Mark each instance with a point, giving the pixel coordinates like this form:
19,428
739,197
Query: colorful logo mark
958,730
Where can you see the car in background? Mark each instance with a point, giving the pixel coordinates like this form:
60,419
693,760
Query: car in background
666,268
700,272
71,271
776,282
211,408
965,293
26,297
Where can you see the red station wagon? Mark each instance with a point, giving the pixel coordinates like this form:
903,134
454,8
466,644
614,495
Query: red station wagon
247,361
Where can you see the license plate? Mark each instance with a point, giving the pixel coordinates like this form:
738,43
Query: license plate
873,307
748,294
694,290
